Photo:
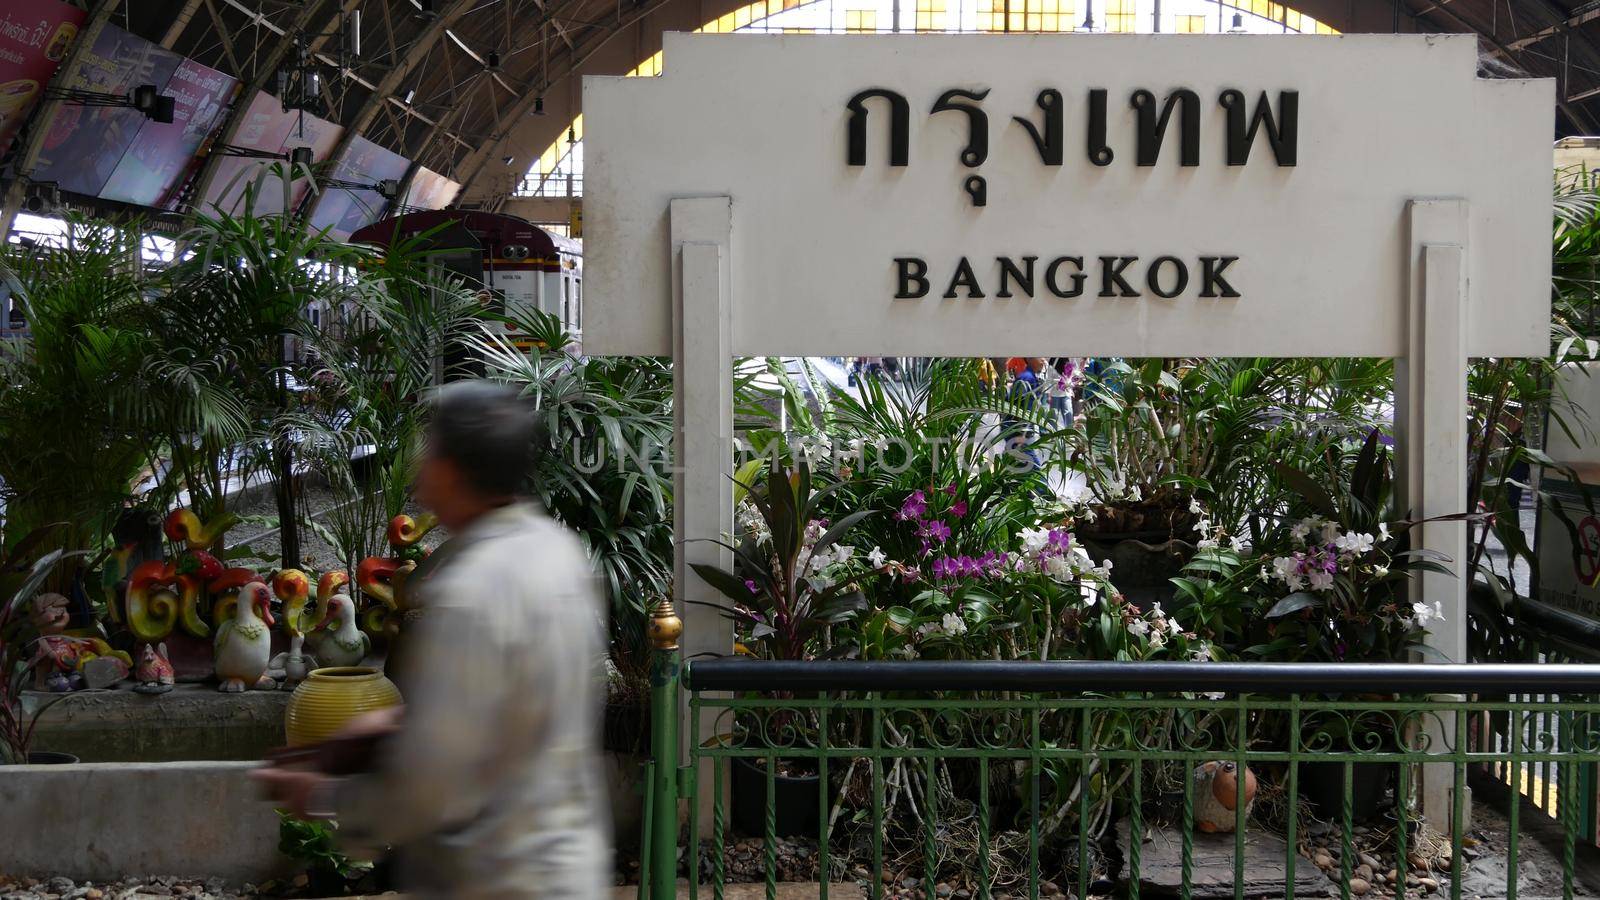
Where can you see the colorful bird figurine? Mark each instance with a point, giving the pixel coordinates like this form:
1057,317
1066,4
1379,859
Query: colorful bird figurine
154,672
1216,795
294,589
244,643
347,645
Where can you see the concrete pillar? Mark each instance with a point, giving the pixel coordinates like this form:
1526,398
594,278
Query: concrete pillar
702,413
1431,434
702,393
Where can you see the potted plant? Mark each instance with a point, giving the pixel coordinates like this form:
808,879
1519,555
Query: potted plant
1148,446
792,579
1330,588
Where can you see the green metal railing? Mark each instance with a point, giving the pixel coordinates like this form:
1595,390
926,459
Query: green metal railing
1103,779
1543,635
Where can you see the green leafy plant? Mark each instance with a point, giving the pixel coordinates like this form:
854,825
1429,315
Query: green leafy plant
315,845
374,358
601,466
1509,399
1327,579
71,437
791,577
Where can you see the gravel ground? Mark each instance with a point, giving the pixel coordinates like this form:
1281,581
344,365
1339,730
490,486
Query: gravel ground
126,889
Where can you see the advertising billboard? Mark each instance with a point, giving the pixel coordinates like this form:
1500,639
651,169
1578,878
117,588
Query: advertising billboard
430,190
34,37
269,129
84,144
343,210
152,170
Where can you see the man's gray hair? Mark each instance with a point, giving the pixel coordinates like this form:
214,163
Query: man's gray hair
489,431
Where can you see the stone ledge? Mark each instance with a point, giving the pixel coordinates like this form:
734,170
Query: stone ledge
193,721
104,821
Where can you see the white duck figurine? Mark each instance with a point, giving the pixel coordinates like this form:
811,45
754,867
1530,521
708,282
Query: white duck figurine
243,644
347,645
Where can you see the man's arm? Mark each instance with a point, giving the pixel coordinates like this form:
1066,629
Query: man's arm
429,776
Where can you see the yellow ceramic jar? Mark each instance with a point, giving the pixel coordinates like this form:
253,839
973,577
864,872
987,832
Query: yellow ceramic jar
329,698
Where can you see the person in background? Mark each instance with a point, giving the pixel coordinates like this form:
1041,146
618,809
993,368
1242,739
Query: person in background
1025,394
987,377
1102,378
1059,384
487,782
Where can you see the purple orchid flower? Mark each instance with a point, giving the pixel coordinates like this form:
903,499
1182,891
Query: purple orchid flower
914,507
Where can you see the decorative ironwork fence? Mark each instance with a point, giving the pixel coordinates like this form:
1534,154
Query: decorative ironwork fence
1081,778
1542,634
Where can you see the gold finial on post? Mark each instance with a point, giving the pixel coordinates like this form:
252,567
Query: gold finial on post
664,627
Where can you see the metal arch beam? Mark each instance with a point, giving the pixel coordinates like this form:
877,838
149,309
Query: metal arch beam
469,169
386,86
1577,116
28,154
180,22
434,131
560,28
265,69
1587,15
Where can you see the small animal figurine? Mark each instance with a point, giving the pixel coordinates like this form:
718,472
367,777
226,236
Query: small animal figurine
347,645
293,665
1216,795
154,674
57,653
243,645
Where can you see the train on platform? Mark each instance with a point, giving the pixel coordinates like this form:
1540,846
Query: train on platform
517,266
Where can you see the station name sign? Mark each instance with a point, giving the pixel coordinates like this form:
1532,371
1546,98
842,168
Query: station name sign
1124,195
1064,276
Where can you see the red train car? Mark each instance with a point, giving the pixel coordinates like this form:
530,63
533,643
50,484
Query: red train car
522,266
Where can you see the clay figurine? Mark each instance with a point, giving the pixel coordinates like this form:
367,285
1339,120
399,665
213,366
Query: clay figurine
244,643
294,664
55,667
347,645
1216,795
155,674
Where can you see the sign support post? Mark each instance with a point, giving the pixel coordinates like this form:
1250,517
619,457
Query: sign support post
702,412
1430,430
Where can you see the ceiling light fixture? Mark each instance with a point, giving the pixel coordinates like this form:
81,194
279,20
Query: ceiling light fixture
146,98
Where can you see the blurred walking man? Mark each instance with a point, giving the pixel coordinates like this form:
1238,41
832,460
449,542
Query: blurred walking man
487,782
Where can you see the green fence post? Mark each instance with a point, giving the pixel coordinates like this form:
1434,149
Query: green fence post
662,837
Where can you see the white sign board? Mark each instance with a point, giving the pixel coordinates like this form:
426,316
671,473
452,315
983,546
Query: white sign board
1309,232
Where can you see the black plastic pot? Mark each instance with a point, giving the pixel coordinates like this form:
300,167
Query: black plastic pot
1143,564
50,758
1322,785
794,800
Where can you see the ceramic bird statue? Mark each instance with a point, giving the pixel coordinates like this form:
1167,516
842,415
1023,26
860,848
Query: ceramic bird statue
195,569
184,526
347,645
1216,795
294,589
244,643
154,672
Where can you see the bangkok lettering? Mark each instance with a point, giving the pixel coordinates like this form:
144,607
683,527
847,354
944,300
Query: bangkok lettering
1066,277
